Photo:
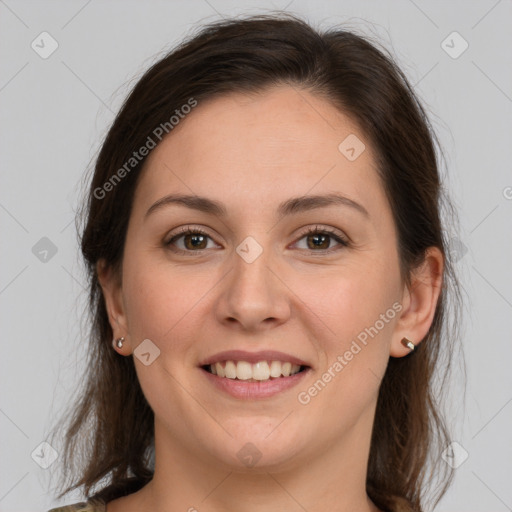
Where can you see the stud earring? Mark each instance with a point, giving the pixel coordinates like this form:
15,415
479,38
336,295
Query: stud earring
408,344
119,342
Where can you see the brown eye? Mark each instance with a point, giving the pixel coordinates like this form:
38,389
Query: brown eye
319,240
193,240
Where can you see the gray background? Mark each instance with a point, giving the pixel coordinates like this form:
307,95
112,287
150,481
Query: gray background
55,112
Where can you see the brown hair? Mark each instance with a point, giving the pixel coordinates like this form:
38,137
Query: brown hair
109,440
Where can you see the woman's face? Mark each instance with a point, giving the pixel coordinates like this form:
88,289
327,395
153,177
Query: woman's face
253,280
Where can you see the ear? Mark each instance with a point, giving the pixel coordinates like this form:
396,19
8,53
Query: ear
419,301
110,283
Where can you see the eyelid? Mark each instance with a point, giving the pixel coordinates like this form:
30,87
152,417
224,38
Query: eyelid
339,237
185,230
336,235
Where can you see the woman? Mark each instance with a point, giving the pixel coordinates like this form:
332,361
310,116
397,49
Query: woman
269,279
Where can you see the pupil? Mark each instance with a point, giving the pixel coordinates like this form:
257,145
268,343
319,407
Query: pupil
317,237
195,239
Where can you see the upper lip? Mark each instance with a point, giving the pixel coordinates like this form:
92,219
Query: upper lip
252,357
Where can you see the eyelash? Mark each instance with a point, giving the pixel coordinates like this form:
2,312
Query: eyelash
310,231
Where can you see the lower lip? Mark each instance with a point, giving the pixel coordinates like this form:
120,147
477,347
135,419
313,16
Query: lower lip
253,390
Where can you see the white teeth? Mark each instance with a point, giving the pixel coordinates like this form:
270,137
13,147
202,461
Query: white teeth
275,369
286,369
243,370
261,370
230,370
220,370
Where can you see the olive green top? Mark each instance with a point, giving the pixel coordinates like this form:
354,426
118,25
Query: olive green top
86,506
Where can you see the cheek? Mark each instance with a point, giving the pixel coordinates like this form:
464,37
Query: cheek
153,302
355,345
161,301
350,300
355,348
357,319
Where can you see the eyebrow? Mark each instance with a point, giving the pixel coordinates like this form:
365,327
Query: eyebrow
286,208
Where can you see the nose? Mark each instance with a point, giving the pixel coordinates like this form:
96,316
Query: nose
253,295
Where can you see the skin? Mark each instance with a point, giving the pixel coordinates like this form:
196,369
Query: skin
251,153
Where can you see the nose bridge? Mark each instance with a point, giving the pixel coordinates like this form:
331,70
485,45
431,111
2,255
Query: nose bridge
253,293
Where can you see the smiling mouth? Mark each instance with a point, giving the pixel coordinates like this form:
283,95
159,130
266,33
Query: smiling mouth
254,372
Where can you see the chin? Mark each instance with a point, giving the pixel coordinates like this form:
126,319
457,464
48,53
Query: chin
257,446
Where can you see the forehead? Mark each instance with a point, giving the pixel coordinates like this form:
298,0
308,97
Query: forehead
259,149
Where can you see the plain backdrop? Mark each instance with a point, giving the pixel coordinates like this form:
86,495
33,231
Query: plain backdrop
56,108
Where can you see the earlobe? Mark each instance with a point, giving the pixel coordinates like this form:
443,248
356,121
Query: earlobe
421,303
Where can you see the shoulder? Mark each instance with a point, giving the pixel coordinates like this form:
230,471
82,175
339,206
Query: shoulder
85,506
